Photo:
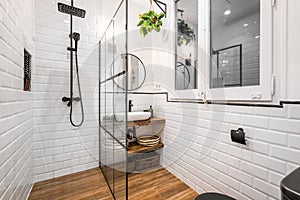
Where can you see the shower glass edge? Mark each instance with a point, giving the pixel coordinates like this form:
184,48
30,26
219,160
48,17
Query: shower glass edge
113,104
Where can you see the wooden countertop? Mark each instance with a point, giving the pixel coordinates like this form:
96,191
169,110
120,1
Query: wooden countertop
134,147
147,122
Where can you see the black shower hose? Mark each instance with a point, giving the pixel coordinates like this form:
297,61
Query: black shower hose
80,95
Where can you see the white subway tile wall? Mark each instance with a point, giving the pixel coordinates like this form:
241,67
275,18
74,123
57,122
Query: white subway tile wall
16,33
204,157
59,148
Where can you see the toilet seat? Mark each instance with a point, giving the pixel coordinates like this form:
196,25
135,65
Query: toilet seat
213,196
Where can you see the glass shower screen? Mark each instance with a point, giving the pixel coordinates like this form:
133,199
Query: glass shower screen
113,105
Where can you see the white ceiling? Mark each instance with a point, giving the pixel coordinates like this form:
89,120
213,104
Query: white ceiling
190,8
239,9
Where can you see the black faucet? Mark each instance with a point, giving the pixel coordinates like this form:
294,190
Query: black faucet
67,99
130,105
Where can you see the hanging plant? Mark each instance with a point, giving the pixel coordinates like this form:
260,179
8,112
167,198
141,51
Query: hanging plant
185,33
150,21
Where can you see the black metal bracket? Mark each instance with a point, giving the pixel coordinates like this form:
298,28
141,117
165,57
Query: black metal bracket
161,5
71,49
180,10
113,77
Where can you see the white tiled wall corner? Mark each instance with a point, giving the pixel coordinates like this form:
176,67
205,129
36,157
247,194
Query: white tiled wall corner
16,143
212,160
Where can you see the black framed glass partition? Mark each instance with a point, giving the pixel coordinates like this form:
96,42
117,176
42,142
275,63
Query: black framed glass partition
229,67
113,104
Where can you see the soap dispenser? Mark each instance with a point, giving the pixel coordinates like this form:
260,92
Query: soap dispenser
151,111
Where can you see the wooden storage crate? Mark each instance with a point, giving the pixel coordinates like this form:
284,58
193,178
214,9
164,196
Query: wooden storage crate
147,160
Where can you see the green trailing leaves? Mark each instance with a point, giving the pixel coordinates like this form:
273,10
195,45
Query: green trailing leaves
150,21
185,33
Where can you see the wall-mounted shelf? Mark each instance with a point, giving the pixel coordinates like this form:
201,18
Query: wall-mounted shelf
134,147
147,122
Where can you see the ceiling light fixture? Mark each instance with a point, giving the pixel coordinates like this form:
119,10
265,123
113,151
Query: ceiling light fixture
227,12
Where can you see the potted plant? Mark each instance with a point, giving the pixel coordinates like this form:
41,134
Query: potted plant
185,33
150,21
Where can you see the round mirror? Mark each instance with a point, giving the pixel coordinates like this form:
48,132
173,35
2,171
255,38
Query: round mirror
136,72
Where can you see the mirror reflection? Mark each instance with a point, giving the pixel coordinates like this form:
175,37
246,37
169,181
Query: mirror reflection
186,58
136,72
235,43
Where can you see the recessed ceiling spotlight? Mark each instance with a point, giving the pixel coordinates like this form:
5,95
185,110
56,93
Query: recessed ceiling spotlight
227,12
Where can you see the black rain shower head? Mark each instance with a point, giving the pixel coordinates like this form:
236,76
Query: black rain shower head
71,10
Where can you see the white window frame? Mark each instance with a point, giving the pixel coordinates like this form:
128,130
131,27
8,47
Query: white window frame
264,91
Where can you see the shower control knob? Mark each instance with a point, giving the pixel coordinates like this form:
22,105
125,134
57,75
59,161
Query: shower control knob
65,99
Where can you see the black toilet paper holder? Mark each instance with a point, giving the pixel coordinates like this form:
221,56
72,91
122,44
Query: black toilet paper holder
238,136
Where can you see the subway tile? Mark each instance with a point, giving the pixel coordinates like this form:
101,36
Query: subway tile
285,125
254,170
270,163
241,176
273,137
275,178
271,112
252,193
294,112
294,141
256,146
255,121
267,188
284,153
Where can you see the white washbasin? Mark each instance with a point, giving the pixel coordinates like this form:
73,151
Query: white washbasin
137,116
133,116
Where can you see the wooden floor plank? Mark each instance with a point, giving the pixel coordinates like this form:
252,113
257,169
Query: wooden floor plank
158,184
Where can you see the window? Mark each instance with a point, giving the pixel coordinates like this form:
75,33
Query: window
239,51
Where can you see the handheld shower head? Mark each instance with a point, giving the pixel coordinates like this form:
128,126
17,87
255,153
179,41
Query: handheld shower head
76,36
71,10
